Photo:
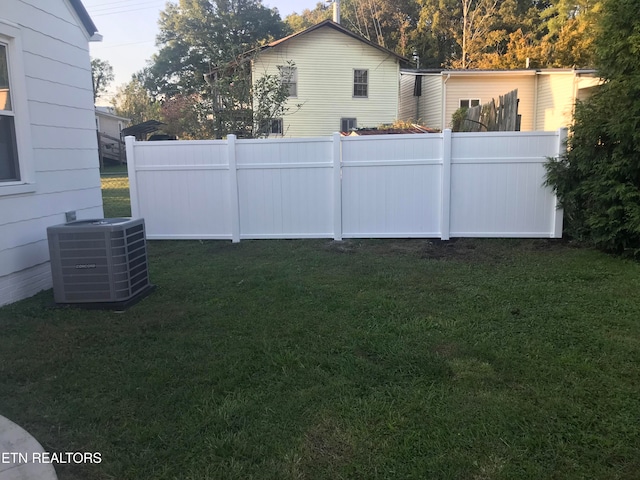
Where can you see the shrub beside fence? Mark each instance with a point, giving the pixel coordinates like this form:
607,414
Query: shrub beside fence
421,186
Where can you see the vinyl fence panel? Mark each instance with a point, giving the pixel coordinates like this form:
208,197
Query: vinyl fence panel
423,186
285,188
391,186
496,184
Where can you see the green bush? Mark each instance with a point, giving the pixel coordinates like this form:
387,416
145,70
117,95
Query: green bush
458,118
598,180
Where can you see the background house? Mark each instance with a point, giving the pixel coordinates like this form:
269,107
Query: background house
547,97
48,146
341,80
108,123
110,126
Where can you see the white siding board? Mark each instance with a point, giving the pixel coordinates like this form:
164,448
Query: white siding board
44,23
17,208
59,94
60,137
48,114
43,68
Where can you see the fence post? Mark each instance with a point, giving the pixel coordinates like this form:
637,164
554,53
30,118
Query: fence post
131,173
337,186
445,214
557,215
233,189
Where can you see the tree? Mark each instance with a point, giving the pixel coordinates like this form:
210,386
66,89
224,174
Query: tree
202,36
102,76
134,102
598,180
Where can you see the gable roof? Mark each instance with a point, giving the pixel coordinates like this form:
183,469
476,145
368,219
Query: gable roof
82,13
339,28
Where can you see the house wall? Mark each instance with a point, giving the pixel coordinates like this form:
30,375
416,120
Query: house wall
556,96
325,60
485,88
110,125
426,109
61,142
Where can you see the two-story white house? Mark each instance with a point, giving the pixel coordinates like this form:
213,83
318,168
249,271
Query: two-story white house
339,79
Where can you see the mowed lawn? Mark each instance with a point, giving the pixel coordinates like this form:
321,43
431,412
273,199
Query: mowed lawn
313,359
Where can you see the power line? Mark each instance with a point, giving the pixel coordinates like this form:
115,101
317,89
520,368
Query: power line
99,10
123,11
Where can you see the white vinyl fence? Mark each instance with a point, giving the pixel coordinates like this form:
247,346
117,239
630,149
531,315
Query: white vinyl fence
431,186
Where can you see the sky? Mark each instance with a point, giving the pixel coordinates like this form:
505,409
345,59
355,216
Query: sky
129,29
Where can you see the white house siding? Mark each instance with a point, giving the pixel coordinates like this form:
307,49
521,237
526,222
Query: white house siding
325,60
556,93
427,109
484,88
62,141
111,124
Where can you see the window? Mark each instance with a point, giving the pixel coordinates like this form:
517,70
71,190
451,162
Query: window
289,77
348,124
16,167
271,126
360,83
9,166
275,127
467,103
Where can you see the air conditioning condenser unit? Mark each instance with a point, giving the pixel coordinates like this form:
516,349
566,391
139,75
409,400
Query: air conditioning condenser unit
101,262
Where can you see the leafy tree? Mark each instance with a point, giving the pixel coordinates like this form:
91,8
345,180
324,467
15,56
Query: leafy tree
197,36
202,36
133,101
102,76
598,180
186,117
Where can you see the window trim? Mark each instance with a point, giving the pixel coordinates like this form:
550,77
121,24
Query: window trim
276,121
294,77
348,119
469,100
11,36
353,89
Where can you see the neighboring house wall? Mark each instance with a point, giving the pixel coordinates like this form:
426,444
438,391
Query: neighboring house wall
547,97
53,109
325,60
484,88
556,96
110,124
425,109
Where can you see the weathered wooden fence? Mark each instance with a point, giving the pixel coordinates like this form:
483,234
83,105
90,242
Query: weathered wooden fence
490,117
422,186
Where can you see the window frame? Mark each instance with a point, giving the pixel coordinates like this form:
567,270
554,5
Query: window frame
293,81
11,37
470,100
278,123
360,84
352,120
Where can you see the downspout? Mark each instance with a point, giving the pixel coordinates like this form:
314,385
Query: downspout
535,101
444,101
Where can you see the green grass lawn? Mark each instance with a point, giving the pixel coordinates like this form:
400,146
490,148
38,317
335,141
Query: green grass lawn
476,359
115,193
